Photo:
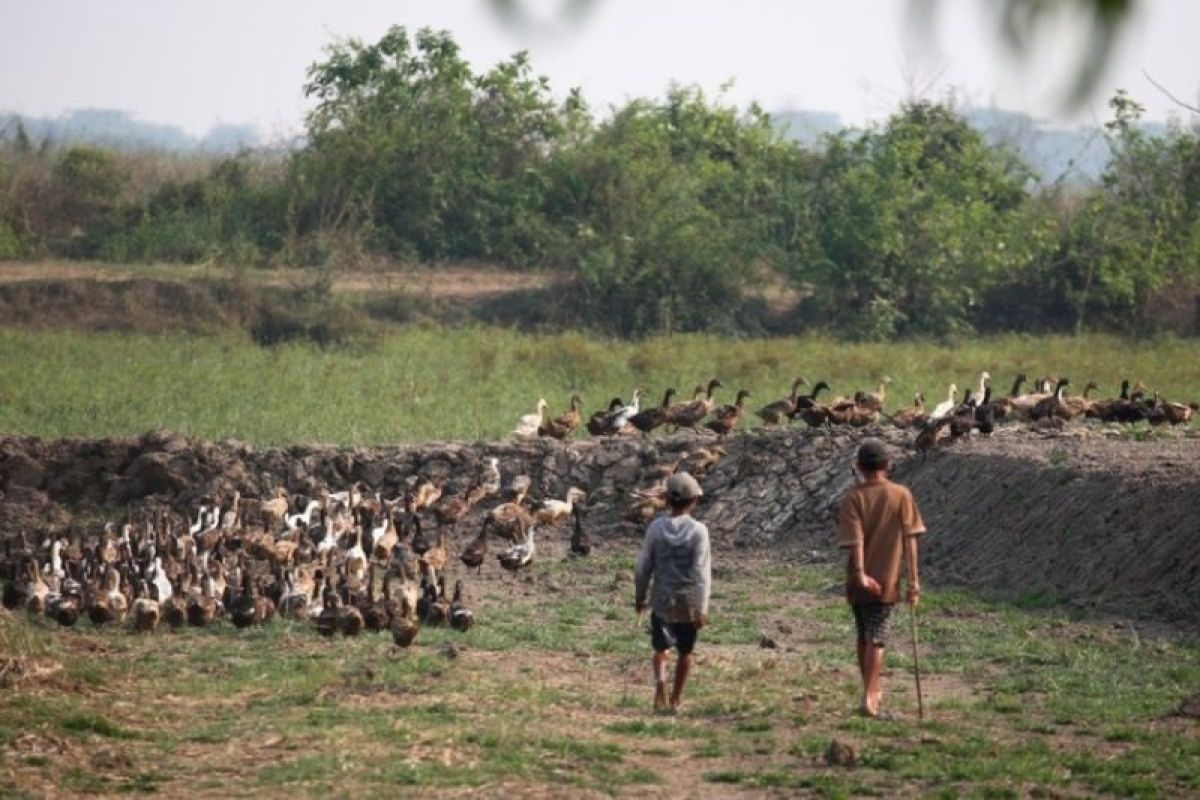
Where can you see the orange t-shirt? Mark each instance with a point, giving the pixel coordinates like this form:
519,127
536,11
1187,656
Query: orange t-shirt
878,516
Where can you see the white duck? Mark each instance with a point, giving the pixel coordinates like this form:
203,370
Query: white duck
356,558
520,554
230,517
620,417
380,531
555,512
162,584
945,407
125,543
528,424
328,543
113,594
55,567
985,378
212,519
304,518
201,518
293,603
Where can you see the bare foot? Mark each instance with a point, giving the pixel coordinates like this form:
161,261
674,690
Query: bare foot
660,696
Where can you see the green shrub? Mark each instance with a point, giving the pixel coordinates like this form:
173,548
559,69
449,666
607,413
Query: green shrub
10,245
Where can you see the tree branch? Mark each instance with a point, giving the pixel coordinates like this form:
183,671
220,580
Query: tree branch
1170,96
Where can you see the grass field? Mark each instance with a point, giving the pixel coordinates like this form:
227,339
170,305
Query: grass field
443,383
550,693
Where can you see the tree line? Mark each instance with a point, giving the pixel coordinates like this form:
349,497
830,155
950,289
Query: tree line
665,211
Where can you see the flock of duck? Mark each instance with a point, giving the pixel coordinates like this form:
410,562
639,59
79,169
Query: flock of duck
1047,405
347,561
351,560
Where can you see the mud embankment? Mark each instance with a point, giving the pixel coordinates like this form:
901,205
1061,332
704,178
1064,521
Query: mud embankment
1094,522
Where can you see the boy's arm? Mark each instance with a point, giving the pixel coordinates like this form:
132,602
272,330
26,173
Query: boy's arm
914,526
858,574
914,579
704,572
850,538
643,571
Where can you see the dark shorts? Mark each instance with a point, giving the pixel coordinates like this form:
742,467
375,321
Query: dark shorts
665,635
873,621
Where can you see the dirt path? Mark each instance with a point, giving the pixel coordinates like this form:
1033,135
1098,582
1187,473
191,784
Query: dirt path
451,282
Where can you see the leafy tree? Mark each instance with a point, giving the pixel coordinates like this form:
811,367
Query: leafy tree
912,224
670,204
1135,234
428,157
88,188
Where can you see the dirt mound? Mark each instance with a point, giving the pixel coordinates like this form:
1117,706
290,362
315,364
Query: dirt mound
1075,517
1099,523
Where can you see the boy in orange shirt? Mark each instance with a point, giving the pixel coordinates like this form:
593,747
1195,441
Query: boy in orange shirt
877,521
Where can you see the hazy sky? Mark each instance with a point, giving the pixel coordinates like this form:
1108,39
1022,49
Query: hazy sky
201,62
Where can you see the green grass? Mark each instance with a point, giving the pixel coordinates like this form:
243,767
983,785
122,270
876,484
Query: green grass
442,383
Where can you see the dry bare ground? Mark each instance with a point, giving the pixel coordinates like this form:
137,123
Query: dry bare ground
455,282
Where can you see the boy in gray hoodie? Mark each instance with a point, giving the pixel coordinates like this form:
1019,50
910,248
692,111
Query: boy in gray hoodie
676,554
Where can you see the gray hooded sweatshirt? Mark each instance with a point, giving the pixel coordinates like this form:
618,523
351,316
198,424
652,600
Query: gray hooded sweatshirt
676,553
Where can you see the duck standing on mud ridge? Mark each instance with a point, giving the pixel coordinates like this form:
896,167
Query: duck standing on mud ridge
943,409
617,421
563,426
528,424
727,417
653,417
781,410
690,415
873,401
912,416
597,424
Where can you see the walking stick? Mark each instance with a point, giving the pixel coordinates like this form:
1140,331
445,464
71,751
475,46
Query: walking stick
912,616
916,663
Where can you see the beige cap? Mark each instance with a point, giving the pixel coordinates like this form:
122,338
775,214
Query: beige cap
682,486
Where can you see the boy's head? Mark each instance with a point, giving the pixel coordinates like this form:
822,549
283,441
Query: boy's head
872,456
683,492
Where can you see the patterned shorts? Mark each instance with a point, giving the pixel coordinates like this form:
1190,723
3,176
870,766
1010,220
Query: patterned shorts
873,621
665,635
